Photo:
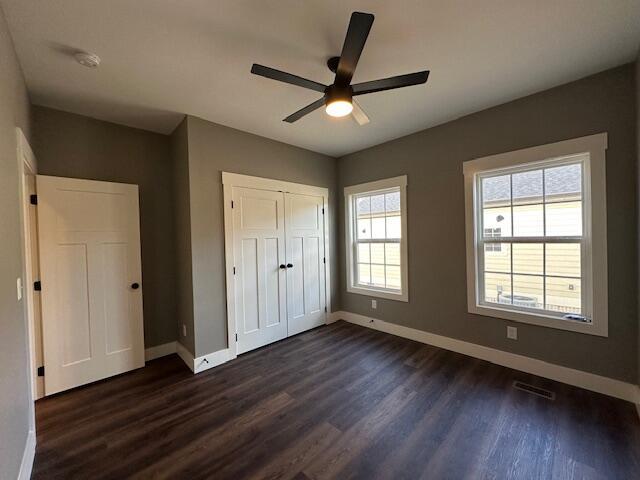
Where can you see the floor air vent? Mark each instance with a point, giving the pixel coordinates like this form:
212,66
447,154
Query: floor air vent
541,392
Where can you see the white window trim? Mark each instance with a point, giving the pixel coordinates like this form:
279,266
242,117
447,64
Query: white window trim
379,185
595,230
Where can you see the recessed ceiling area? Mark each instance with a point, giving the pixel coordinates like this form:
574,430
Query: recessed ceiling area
165,58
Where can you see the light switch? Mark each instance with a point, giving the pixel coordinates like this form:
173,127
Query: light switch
19,288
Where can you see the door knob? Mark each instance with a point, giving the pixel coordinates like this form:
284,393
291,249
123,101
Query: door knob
289,265
135,285
283,266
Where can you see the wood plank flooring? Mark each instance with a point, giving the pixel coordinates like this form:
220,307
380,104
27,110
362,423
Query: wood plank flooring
341,401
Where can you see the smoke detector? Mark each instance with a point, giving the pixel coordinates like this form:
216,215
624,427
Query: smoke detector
89,60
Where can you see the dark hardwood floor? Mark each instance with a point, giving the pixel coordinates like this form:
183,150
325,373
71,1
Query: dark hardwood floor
340,401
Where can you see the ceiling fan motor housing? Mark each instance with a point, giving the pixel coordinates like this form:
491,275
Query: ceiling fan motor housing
336,93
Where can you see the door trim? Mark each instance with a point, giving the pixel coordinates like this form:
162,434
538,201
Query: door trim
230,180
27,165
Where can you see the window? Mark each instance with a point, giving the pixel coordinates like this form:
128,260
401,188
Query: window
376,238
536,235
493,233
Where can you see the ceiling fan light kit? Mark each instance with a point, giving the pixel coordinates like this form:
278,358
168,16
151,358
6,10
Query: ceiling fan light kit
338,101
338,97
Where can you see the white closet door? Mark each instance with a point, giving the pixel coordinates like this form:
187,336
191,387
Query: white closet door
91,273
259,254
305,255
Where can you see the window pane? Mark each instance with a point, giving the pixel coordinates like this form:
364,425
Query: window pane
364,273
563,183
527,187
393,277
393,227
363,253
377,253
364,228
527,221
496,191
564,219
528,291
392,203
377,275
527,258
497,287
563,259
392,253
377,204
363,206
377,227
497,257
498,218
563,295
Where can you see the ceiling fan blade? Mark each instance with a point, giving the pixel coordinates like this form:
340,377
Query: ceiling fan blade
285,77
391,83
358,114
357,33
304,111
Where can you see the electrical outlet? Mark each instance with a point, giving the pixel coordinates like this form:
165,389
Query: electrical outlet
512,333
19,288
184,330
374,304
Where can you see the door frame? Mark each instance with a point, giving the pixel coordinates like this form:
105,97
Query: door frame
27,165
230,180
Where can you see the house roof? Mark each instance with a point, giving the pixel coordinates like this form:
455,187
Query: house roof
564,181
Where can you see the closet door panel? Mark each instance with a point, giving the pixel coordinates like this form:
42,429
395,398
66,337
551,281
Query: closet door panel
305,253
260,283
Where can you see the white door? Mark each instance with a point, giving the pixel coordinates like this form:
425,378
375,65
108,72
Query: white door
90,272
260,272
305,261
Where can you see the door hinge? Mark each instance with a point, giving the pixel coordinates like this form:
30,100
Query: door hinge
234,270
323,210
324,259
33,199
231,203
37,286
325,309
41,371
236,337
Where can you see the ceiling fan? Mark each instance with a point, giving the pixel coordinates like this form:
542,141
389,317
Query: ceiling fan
338,97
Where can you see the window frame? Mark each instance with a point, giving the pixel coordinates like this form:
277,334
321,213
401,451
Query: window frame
593,240
373,188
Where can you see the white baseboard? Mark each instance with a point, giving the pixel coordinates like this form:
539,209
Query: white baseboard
205,362
334,317
158,351
578,378
27,456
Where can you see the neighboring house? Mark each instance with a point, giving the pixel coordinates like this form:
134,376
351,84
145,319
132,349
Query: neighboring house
378,234
550,207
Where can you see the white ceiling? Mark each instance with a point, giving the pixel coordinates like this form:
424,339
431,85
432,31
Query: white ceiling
164,58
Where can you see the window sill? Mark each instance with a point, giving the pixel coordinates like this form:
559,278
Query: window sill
372,292
540,320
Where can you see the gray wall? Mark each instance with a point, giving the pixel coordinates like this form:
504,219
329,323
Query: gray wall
182,212
14,380
213,149
433,159
69,145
